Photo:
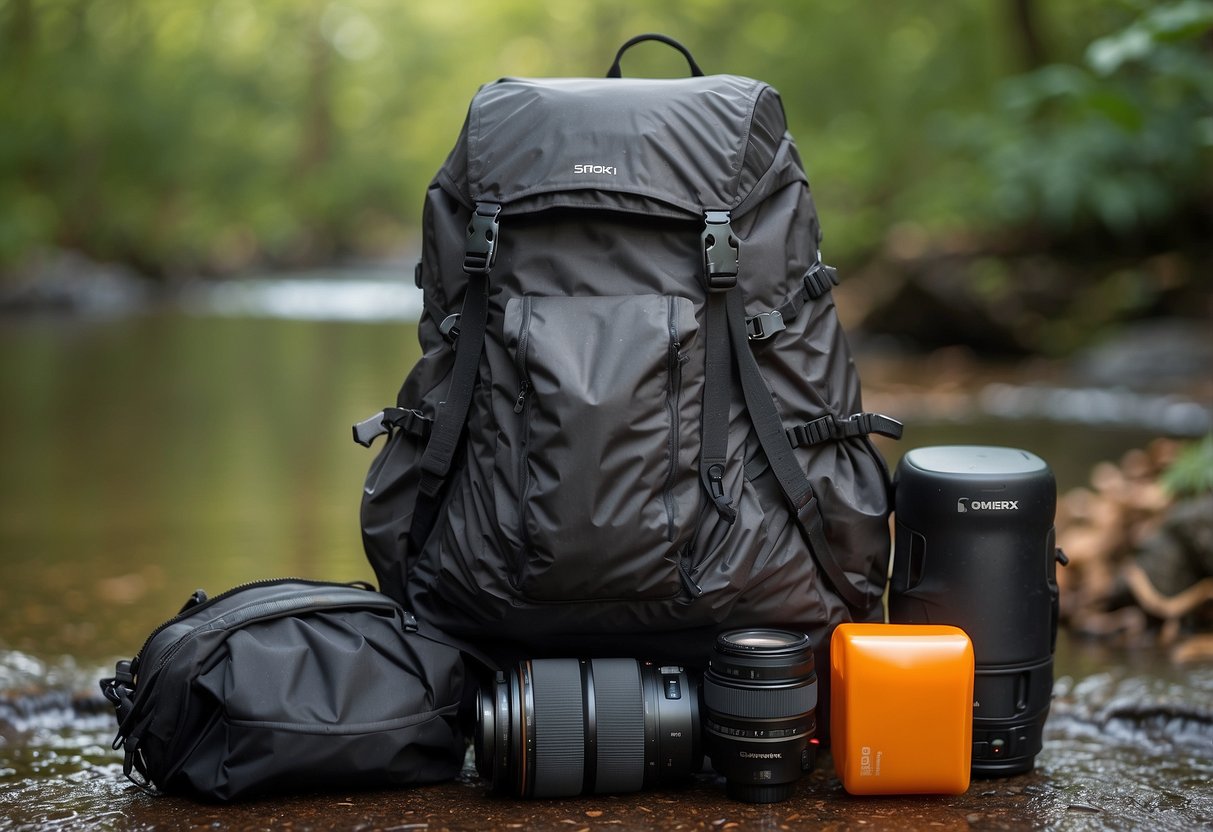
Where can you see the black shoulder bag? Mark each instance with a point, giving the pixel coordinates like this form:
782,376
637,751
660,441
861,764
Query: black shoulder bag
288,684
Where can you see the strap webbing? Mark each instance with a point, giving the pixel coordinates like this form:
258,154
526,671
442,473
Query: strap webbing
717,396
721,254
818,280
481,249
412,422
828,428
791,477
452,413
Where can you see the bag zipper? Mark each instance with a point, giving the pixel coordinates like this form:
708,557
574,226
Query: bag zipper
524,338
523,407
279,607
198,601
673,400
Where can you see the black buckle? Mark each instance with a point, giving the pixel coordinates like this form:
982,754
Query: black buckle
828,428
410,421
721,252
764,325
819,279
480,250
450,327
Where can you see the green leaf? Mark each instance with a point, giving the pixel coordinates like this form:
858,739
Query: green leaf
1192,471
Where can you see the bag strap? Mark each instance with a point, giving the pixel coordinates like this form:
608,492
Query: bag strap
720,263
830,428
616,72
797,489
480,252
818,280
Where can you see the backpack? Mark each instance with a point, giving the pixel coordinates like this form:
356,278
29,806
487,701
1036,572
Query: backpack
636,419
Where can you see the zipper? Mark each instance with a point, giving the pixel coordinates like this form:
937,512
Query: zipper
264,609
237,618
673,401
523,407
524,337
194,605
686,571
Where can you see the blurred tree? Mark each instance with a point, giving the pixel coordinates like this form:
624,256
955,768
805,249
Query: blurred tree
204,136
1122,139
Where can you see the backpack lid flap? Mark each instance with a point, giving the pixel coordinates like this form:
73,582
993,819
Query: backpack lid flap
689,144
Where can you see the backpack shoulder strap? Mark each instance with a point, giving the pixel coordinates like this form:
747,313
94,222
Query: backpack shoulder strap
720,273
778,450
479,254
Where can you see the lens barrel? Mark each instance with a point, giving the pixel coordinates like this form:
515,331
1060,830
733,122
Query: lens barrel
563,727
974,548
759,702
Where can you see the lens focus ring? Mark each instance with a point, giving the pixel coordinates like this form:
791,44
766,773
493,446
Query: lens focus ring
559,728
760,703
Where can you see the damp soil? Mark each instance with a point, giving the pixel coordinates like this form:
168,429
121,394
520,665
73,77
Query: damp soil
1129,745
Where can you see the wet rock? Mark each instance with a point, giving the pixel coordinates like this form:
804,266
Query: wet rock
1180,554
1149,355
1141,564
68,283
26,711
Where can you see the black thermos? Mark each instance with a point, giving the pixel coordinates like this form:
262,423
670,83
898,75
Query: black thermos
974,547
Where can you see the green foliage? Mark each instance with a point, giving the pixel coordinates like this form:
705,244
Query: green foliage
1121,141
209,135
1191,474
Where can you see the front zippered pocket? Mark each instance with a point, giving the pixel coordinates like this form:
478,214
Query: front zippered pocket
605,493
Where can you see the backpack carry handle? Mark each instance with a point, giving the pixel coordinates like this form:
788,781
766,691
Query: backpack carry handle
616,72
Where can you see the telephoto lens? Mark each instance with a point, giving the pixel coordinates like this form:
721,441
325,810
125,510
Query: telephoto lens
760,705
974,548
563,727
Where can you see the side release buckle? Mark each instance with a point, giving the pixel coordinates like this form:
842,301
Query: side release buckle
480,250
721,252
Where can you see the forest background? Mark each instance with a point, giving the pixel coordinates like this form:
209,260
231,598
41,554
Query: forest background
1017,175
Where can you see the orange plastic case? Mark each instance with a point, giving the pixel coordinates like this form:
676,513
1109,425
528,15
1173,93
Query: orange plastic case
901,708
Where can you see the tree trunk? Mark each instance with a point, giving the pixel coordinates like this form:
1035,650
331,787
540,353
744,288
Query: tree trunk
1025,23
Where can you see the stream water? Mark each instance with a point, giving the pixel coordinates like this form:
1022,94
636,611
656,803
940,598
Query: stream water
143,457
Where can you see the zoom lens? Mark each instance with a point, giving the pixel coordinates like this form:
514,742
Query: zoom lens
975,548
760,703
562,727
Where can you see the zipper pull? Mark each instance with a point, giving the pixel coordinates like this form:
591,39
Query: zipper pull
716,491
523,391
688,580
194,600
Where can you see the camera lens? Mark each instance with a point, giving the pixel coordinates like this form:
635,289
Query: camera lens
974,548
562,727
760,701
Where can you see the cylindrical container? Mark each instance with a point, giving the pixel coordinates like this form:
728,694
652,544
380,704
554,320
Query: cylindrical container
563,727
760,711
974,548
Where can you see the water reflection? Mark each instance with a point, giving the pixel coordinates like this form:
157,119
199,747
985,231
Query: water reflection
147,457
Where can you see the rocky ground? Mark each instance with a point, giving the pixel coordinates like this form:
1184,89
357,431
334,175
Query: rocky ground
1141,558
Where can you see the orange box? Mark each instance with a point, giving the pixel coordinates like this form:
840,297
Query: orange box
901,708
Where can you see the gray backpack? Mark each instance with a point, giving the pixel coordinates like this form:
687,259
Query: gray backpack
636,419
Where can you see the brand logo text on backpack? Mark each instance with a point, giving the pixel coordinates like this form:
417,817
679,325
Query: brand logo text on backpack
964,504
609,170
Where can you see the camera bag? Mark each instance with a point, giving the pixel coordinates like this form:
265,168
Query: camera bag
288,684
636,419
